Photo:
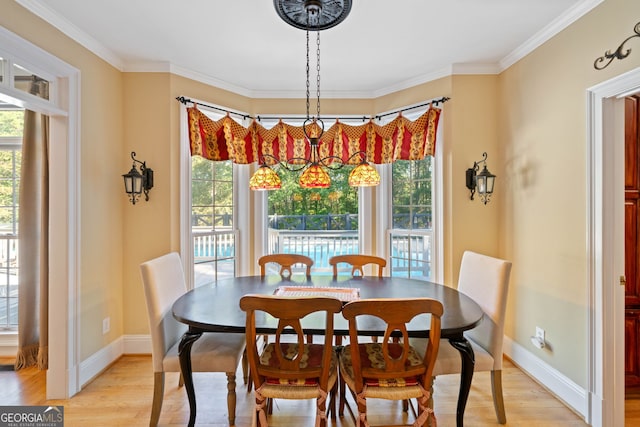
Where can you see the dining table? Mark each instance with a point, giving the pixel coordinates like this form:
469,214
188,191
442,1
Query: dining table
214,307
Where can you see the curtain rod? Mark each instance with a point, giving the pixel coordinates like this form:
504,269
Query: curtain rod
33,78
186,101
435,102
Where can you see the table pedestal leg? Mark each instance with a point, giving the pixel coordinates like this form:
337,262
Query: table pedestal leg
184,353
466,375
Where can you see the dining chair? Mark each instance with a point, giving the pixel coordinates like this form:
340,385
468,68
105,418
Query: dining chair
357,263
486,280
286,368
164,282
391,370
286,262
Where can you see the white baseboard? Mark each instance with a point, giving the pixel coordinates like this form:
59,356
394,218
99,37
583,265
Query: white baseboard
561,386
100,360
137,344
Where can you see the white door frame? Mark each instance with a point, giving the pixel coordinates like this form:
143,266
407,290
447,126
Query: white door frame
63,373
605,243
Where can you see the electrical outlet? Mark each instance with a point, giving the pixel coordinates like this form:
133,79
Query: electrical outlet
540,333
106,325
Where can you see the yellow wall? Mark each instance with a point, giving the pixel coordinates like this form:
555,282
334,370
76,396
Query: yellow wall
542,132
102,154
530,120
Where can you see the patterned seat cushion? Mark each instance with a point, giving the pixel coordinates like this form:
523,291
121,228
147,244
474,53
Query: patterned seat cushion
371,356
312,357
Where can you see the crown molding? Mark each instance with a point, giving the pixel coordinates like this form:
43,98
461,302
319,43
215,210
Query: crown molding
549,31
559,24
409,83
475,68
41,10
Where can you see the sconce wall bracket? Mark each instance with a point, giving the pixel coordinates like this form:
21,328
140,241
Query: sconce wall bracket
482,182
620,53
136,183
471,179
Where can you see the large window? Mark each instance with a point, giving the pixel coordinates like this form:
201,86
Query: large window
411,235
318,223
213,229
11,125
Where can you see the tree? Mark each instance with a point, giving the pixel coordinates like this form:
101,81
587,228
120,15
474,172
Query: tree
11,125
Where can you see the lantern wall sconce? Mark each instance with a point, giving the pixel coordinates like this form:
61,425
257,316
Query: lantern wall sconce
482,182
135,183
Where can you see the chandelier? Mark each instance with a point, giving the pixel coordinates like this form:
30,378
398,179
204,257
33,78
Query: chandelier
313,15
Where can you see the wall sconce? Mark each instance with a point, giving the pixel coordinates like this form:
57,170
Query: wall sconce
135,182
481,182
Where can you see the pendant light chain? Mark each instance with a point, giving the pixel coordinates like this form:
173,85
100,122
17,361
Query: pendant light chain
318,70
313,169
307,74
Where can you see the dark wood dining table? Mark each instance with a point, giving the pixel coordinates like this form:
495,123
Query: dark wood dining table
214,307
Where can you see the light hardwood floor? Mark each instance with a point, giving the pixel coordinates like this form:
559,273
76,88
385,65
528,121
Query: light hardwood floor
121,396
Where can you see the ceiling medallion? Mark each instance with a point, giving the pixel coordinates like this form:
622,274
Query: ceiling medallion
313,15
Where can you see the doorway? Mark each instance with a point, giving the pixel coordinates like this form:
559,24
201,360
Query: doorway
63,374
632,245
605,244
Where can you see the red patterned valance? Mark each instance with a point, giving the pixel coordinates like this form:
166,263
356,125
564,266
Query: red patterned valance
226,139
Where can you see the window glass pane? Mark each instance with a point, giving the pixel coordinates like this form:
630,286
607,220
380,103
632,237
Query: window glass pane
318,223
201,168
201,193
421,193
402,217
223,193
223,217
11,122
214,239
29,82
11,129
202,217
421,218
422,169
411,197
225,269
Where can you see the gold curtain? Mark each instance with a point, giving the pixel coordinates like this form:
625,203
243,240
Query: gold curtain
400,139
33,232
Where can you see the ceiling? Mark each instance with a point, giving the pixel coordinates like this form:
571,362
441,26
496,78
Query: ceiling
244,46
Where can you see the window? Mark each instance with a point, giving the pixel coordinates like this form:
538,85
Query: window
213,229
318,223
11,125
411,234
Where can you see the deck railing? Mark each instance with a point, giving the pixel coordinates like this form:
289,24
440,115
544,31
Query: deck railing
8,281
214,254
411,253
320,245
410,250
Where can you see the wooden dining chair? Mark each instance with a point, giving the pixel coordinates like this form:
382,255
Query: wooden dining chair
286,262
391,370
357,263
163,281
486,280
286,368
